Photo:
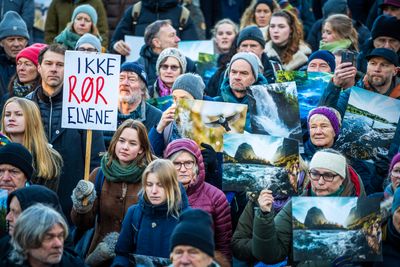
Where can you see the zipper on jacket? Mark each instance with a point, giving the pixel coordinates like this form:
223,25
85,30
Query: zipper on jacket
124,190
50,118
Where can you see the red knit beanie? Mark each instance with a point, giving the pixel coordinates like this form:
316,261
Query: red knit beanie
31,52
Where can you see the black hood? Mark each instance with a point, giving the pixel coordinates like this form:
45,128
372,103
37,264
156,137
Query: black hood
159,5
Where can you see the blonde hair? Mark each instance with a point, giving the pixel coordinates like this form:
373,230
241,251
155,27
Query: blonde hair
342,25
168,177
46,160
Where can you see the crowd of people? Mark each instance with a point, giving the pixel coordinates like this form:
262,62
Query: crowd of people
154,197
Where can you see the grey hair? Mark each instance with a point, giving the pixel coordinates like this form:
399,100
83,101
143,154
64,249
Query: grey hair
31,228
153,29
195,168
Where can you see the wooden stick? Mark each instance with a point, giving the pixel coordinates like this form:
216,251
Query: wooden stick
87,160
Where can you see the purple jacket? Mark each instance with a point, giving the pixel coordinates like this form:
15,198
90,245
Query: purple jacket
207,197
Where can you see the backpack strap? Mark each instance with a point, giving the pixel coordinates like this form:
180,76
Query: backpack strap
185,13
136,221
136,14
98,185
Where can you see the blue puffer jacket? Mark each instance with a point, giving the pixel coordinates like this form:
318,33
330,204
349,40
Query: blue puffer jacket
147,232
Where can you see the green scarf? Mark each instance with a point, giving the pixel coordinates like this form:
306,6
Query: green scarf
337,193
118,173
336,45
68,38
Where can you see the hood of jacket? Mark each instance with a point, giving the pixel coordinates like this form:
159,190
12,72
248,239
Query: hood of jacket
148,53
159,5
192,148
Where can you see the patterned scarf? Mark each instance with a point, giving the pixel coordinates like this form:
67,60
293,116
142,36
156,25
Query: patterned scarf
164,90
21,90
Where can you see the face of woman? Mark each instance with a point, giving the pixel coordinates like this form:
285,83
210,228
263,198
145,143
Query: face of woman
279,30
224,37
322,133
26,70
82,23
169,71
14,119
155,190
396,220
321,184
13,214
128,146
328,35
184,166
395,176
262,15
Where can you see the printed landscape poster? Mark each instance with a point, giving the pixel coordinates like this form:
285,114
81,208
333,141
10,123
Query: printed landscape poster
274,110
207,121
162,103
3,210
253,162
369,124
310,87
326,228
191,49
207,66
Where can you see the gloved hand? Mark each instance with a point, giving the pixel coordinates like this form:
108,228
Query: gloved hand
84,189
209,157
104,251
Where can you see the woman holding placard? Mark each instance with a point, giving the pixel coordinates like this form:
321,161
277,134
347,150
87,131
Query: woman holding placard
83,20
111,189
22,123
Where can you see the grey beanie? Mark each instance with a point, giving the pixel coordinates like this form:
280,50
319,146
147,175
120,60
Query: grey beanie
334,7
13,25
171,52
87,9
89,38
191,83
251,33
251,58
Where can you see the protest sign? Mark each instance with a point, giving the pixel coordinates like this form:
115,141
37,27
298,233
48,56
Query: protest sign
90,94
135,43
191,49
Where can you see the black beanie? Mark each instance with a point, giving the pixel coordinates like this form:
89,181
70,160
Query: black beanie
385,25
251,33
194,229
18,156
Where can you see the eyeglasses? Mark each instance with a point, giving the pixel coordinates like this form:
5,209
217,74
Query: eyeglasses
172,67
327,177
82,49
188,165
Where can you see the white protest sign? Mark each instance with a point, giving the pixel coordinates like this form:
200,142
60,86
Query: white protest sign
191,49
135,43
90,94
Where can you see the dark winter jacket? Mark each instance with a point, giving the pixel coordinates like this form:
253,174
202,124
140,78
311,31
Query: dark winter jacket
7,71
148,231
110,207
145,113
115,9
390,246
272,237
315,35
207,197
151,11
60,13
25,8
148,60
70,143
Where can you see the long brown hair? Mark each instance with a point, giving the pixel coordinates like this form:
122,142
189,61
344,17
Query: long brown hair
342,25
295,37
144,158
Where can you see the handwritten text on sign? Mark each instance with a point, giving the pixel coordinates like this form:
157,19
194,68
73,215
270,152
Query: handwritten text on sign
90,95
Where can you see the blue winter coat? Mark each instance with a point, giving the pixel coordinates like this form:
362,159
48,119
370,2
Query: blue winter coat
147,231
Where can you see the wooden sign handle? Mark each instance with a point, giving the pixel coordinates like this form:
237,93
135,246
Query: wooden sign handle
87,160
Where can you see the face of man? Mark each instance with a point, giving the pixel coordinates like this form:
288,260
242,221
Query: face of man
380,73
391,11
387,42
240,77
130,87
52,71
251,46
185,256
51,250
166,38
11,178
318,65
13,214
13,45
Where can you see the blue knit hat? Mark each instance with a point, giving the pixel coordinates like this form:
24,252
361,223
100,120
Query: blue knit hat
136,68
89,38
326,56
396,201
87,9
13,25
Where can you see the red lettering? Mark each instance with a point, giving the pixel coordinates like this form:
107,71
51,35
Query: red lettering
86,89
99,88
72,84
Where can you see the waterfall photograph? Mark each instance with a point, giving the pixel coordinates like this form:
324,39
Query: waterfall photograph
253,162
274,110
207,121
332,227
369,125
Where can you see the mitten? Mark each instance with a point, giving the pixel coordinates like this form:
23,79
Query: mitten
84,189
